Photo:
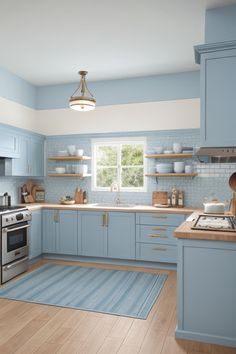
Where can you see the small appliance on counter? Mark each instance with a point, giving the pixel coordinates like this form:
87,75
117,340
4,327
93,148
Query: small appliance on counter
14,223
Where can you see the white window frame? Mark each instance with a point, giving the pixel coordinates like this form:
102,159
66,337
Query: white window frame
117,141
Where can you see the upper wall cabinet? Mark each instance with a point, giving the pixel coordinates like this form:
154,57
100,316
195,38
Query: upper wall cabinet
9,142
31,160
218,93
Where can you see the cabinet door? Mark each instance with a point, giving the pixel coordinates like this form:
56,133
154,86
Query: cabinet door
49,231
36,156
66,238
218,103
35,235
21,165
121,235
9,142
94,234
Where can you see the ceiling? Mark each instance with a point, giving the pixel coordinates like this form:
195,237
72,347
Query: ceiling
47,41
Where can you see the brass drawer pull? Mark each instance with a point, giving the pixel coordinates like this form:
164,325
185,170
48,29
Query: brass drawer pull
159,217
159,249
157,235
158,229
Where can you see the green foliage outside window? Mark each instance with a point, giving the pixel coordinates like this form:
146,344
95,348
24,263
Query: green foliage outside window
122,163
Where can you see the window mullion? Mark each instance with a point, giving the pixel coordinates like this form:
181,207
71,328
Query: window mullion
119,165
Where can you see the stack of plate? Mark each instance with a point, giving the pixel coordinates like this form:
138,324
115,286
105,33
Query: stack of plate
164,167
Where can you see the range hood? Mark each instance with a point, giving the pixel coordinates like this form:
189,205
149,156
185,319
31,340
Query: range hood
217,154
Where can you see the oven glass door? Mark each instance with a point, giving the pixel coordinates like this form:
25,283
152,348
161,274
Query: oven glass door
14,242
16,237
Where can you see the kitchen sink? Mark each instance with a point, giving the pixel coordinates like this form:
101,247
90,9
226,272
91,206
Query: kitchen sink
115,205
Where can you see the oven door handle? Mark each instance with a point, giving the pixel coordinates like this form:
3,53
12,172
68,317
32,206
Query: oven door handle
17,228
15,264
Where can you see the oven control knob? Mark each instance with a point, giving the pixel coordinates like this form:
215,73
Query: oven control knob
6,219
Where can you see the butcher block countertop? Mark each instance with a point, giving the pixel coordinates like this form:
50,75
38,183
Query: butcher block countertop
94,207
185,231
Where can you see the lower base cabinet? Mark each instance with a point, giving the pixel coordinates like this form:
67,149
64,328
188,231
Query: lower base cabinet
108,234
121,235
156,252
206,291
35,235
93,234
60,231
155,241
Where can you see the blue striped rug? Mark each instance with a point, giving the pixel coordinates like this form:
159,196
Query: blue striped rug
115,292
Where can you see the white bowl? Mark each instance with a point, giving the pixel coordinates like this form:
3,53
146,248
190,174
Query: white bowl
179,166
62,153
159,149
168,152
79,152
60,169
71,149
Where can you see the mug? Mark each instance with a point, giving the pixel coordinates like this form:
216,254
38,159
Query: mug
188,169
179,166
177,148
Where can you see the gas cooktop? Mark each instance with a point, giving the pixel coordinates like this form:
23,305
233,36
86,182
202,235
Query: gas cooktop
215,223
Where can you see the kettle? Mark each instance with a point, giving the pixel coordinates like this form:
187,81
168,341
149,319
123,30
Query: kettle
5,199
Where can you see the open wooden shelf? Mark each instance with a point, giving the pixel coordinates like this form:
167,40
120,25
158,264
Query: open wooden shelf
171,174
69,158
80,175
169,156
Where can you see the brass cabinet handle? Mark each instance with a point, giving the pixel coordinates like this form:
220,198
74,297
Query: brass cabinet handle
159,217
106,220
157,235
158,229
159,249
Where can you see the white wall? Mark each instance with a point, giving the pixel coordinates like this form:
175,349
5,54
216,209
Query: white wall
15,114
162,115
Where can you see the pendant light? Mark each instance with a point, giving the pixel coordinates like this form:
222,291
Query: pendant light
82,99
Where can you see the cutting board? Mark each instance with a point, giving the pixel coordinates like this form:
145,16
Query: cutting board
79,196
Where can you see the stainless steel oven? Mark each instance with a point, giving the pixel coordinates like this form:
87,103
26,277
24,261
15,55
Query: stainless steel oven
14,242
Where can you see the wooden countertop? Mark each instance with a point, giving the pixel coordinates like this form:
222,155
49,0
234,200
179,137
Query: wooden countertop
185,231
94,207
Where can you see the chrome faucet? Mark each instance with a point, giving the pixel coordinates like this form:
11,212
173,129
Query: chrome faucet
116,188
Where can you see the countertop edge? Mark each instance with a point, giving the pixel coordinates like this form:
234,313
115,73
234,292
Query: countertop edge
92,207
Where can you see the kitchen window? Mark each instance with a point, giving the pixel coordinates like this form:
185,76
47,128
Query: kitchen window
118,161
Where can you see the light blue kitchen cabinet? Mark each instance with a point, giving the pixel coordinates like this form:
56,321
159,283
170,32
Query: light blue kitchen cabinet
35,235
36,156
206,291
49,231
94,234
60,231
218,87
31,156
66,232
121,235
9,142
155,239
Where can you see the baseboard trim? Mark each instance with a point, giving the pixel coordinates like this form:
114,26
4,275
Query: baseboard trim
207,338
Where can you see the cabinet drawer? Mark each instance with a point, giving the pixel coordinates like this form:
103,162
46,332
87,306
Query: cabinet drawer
155,234
156,253
159,219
